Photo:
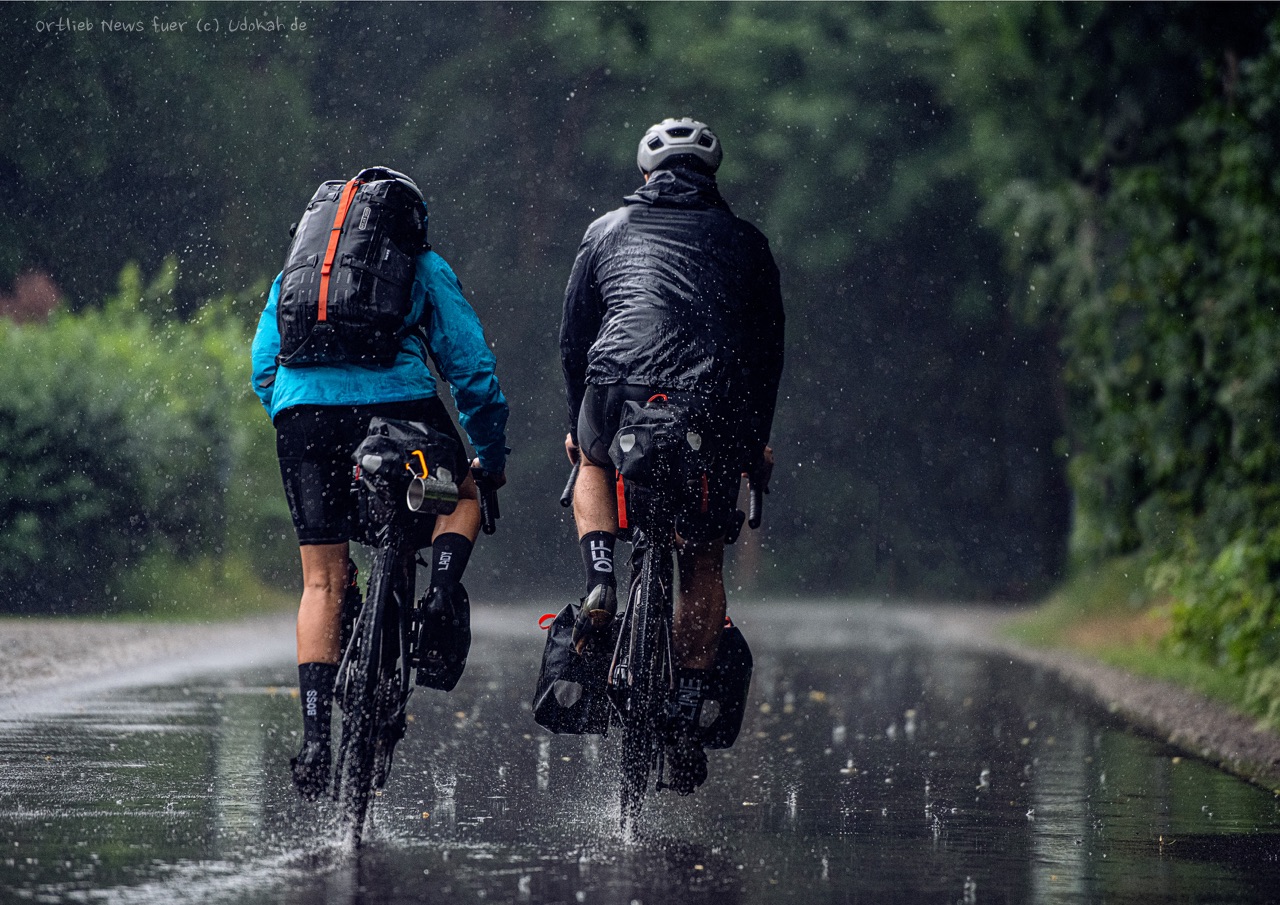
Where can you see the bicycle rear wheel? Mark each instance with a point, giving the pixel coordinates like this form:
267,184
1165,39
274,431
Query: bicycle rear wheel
362,700
641,740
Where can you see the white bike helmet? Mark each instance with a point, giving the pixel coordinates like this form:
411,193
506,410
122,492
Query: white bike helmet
678,136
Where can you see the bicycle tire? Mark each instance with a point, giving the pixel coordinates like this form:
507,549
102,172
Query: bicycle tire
641,742
360,697
395,684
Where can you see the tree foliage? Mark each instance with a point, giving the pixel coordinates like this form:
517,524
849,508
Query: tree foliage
1141,211
135,146
1197,303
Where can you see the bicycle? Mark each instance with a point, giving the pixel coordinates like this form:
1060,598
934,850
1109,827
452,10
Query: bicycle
640,679
375,673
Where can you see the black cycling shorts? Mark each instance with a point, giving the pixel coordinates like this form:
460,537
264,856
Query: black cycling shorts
598,422
314,444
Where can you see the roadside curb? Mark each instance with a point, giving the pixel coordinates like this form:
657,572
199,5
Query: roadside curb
1190,722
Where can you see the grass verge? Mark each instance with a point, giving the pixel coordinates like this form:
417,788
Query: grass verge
1109,613
210,588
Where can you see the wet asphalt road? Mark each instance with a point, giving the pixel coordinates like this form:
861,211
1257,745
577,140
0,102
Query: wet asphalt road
873,767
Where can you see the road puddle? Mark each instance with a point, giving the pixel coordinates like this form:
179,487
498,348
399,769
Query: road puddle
867,770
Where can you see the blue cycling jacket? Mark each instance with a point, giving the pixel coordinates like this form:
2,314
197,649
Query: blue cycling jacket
454,340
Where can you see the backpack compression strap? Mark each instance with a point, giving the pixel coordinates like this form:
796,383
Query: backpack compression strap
344,203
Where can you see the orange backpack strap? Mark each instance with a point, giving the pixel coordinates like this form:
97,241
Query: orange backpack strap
344,204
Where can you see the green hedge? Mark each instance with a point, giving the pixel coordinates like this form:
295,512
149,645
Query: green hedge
1184,451
1140,204
127,436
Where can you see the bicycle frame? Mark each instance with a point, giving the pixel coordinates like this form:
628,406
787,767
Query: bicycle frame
642,671
375,673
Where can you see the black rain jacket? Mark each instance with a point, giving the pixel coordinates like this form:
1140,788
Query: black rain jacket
673,291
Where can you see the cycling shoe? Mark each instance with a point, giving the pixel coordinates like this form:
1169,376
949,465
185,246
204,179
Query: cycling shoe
598,609
445,637
310,770
686,764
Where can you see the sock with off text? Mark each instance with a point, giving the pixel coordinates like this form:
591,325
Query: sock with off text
597,558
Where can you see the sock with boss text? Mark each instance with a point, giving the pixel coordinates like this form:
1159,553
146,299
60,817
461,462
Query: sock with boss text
315,687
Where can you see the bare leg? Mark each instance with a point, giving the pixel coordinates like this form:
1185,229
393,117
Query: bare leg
324,579
465,519
595,500
699,619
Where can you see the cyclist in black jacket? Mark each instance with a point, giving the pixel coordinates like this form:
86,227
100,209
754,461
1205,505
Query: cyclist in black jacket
671,293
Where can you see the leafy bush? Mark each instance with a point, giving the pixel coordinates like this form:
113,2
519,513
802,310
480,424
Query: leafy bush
1262,695
121,438
70,513
1225,610
1187,426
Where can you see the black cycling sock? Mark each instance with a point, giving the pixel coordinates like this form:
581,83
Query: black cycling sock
597,558
315,685
449,555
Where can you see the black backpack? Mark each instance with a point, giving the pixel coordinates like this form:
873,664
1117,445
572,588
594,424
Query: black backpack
348,277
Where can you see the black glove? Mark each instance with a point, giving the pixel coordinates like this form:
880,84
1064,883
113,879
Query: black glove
487,481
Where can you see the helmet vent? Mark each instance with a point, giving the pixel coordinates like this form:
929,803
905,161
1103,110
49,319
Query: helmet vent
677,139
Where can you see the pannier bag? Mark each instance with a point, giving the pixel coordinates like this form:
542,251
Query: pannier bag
725,702
571,696
404,464
347,286
442,629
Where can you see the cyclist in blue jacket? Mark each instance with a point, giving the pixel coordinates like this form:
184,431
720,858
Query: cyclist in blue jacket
321,413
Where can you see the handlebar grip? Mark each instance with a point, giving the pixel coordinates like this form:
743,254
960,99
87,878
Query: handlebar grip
489,513
755,506
566,498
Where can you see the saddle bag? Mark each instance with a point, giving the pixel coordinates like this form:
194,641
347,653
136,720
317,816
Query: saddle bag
725,702
571,696
664,451
403,466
